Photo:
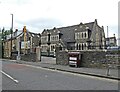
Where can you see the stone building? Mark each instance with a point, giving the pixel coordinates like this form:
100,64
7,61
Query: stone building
89,36
111,41
84,36
18,43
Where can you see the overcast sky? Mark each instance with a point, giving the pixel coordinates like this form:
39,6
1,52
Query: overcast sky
37,15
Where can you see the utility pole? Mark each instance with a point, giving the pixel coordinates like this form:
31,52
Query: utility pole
11,35
2,42
108,37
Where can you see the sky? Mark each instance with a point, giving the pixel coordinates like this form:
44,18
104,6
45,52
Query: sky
38,15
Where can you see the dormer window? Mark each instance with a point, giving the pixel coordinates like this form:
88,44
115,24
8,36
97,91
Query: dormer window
58,32
87,27
80,26
33,35
38,35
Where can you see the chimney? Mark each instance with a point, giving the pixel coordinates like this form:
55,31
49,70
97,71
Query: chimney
16,30
103,27
96,21
113,35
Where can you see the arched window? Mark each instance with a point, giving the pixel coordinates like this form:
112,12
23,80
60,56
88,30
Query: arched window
76,46
60,47
53,38
82,35
85,35
53,47
57,38
82,47
79,47
85,46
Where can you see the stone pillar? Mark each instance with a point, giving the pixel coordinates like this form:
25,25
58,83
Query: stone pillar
18,49
61,56
38,54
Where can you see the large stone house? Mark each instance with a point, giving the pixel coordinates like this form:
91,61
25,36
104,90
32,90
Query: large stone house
89,36
20,44
84,36
111,41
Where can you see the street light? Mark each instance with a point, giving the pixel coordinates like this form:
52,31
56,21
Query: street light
2,48
11,35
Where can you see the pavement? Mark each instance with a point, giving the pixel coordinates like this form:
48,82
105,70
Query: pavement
49,62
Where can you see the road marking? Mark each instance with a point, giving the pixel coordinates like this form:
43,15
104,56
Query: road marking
10,77
80,75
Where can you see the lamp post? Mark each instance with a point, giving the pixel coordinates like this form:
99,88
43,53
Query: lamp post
40,49
2,48
2,40
11,35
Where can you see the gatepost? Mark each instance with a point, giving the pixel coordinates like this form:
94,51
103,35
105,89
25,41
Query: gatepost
18,49
38,54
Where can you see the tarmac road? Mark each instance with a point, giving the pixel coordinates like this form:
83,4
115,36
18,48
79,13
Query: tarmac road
28,77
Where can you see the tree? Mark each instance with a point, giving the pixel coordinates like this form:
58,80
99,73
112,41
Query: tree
1,43
3,35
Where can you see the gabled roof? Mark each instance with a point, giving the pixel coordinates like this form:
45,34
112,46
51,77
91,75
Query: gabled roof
20,33
34,34
83,26
69,31
90,25
13,37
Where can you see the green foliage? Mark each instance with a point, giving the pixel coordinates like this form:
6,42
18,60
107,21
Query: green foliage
4,33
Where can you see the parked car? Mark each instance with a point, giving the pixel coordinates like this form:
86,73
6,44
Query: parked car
113,48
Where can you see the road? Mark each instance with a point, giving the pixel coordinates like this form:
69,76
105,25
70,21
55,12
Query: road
27,77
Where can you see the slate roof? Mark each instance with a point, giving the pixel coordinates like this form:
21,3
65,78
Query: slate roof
21,32
34,34
69,31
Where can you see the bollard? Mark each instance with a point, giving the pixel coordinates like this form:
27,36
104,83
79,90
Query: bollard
108,70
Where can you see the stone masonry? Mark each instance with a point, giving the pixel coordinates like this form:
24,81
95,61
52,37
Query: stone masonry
95,59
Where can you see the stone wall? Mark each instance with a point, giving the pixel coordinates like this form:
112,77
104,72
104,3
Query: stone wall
62,58
26,57
29,57
100,59
97,59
